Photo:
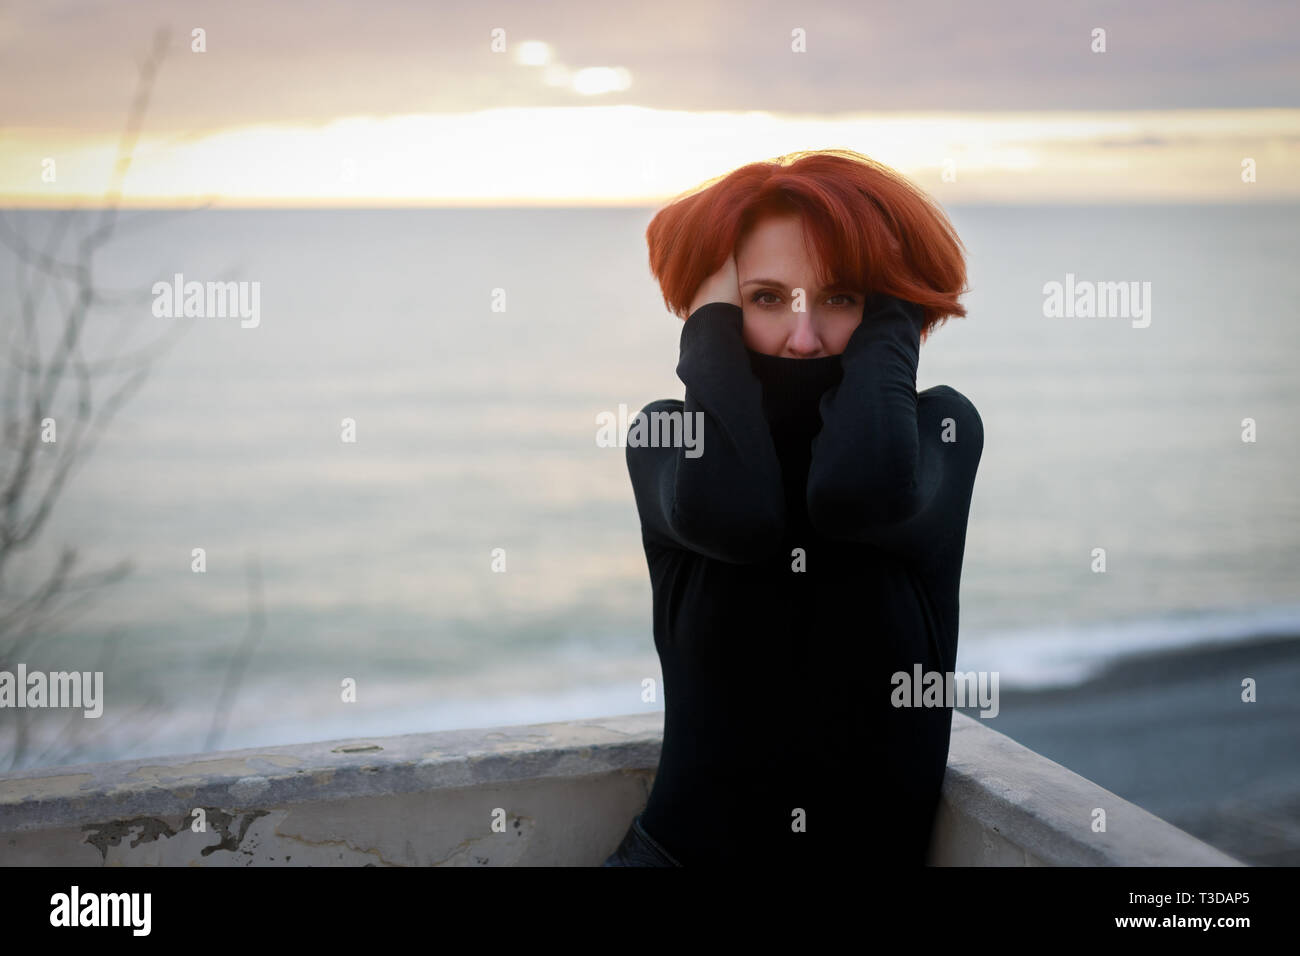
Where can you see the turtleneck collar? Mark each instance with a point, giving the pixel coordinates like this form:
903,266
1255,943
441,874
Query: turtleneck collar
792,389
792,392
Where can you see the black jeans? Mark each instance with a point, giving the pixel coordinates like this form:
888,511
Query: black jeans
639,849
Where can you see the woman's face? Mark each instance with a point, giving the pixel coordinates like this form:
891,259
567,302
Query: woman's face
772,262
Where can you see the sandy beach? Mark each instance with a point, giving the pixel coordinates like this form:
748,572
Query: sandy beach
1169,732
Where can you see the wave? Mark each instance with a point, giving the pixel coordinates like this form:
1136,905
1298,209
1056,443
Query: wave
1067,655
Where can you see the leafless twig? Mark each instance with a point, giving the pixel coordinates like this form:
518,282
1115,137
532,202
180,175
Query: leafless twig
54,388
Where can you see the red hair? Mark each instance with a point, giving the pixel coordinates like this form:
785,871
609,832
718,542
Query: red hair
871,228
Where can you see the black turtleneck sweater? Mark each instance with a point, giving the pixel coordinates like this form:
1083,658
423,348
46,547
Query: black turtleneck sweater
811,551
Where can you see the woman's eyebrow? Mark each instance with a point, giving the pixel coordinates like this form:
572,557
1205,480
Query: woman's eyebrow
834,286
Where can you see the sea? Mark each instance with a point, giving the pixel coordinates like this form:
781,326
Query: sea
380,504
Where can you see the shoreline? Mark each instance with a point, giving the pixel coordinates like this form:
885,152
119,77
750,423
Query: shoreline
1168,731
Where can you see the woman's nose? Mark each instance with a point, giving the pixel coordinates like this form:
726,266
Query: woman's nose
804,341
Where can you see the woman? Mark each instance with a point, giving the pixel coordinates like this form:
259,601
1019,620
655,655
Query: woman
811,548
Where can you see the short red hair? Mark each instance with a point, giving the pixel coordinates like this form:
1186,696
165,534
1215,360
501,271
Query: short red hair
871,228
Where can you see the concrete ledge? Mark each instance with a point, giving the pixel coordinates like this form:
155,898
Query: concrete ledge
474,798
1006,805
415,800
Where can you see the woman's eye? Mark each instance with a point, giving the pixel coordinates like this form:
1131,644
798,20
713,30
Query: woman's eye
849,299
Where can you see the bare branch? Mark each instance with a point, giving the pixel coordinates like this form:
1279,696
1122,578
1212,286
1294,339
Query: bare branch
239,660
38,381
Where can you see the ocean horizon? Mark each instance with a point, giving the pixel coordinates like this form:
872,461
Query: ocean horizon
475,438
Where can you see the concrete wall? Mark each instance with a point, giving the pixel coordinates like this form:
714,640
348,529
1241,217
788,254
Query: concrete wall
480,797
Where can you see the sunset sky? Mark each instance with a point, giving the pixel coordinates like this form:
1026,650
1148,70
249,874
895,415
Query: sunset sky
407,103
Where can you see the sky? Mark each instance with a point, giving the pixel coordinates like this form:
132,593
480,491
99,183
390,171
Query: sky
332,103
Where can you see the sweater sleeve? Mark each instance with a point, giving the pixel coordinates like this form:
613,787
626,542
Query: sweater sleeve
889,467
724,499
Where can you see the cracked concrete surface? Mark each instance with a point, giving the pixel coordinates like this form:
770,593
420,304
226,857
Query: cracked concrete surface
412,800
559,794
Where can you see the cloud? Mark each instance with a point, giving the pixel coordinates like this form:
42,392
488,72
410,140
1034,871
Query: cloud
72,65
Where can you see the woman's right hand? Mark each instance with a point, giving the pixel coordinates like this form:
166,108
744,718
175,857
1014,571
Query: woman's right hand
722,286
